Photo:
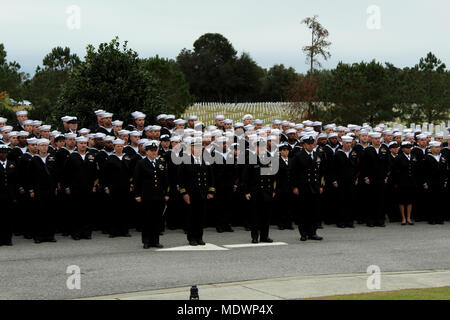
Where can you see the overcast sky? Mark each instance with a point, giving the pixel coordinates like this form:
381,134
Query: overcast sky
269,30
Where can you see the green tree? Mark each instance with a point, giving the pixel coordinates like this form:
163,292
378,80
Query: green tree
171,84
319,43
110,78
427,93
11,78
277,82
45,87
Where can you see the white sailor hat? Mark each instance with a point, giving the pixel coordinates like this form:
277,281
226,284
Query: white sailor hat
99,112
21,113
117,123
439,135
84,131
308,123
192,118
211,128
13,134
23,134
100,135
429,134
333,135
143,141
28,122
179,122
189,131
154,128
329,126
221,140
45,128
175,139
397,134
299,126
170,117
123,132
435,144
135,134
393,144
138,115
347,139
276,122
272,138
66,119
291,131
409,135
220,117
317,124
91,135
249,127
81,139
309,129
107,115
109,139
36,123
258,121
285,123
161,117
247,116
3,120
238,125
6,128
32,141
363,132
228,121
323,136
375,135
70,136
276,132
118,141
388,132
73,119
43,141
421,136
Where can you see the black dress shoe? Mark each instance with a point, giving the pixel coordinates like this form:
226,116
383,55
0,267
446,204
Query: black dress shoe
193,243
255,241
315,237
382,225
201,243
341,226
404,223
37,241
146,246
52,240
76,238
410,223
371,225
303,239
268,240
158,246
351,226
229,229
440,222
280,228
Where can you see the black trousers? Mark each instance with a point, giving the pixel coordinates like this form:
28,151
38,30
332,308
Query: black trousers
151,220
376,214
119,205
44,224
223,213
196,218
6,221
283,209
80,221
306,213
437,204
260,215
346,207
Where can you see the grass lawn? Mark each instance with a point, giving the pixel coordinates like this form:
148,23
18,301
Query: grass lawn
414,294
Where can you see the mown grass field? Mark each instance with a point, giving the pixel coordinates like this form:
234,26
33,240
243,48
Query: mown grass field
414,294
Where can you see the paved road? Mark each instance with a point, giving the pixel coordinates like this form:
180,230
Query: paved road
112,266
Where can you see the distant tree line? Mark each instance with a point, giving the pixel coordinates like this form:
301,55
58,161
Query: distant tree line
113,77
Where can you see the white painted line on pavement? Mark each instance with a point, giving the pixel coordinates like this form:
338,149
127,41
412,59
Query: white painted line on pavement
207,247
255,245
